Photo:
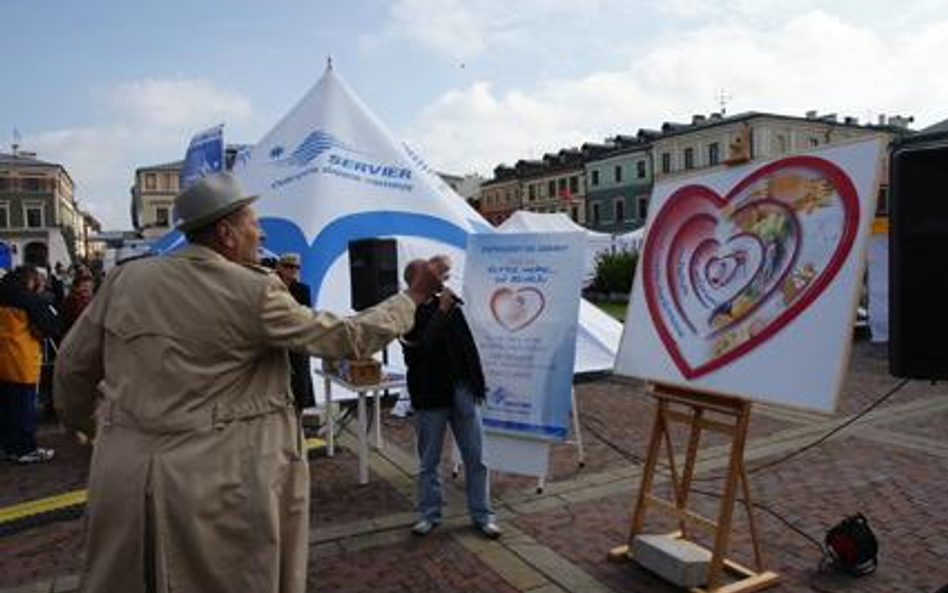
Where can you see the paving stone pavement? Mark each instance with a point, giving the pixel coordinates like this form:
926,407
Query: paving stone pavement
890,465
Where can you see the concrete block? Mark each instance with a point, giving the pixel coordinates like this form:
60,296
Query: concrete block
676,560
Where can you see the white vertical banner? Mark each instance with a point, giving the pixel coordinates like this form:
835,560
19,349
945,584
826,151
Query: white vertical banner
879,287
522,292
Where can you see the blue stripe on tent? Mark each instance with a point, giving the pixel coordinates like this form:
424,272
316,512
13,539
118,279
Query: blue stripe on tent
285,236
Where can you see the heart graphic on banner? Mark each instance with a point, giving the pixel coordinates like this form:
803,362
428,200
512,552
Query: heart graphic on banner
722,275
516,309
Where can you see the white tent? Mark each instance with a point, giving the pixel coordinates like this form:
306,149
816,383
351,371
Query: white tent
537,222
330,173
631,241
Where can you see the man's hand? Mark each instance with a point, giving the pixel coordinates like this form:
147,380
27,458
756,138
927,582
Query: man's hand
447,299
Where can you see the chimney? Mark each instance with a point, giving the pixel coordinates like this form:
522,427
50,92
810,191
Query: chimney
811,114
697,119
881,119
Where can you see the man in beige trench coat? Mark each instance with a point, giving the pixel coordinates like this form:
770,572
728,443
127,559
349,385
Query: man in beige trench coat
199,480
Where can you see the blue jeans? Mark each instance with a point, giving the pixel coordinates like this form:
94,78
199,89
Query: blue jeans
17,418
465,420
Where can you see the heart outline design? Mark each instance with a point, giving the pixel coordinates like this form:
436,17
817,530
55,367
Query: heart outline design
848,199
516,320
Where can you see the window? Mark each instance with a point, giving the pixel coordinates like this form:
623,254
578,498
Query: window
814,141
574,213
574,184
33,215
595,213
4,215
620,210
5,184
551,189
532,192
618,173
561,182
161,216
714,154
643,207
781,144
640,169
151,181
666,162
171,182
30,184
594,177
689,158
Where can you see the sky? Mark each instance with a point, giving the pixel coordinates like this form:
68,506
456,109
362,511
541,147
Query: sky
105,87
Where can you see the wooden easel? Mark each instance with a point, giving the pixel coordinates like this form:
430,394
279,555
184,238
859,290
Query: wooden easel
716,413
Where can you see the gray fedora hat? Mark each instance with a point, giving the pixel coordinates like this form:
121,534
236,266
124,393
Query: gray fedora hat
213,197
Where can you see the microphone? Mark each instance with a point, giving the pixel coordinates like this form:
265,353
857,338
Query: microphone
455,298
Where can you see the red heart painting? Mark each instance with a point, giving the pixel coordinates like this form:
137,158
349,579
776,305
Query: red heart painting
722,275
516,309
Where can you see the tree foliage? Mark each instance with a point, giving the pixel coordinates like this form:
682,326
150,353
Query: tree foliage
614,272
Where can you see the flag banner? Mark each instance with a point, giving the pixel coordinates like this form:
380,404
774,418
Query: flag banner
205,155
521,295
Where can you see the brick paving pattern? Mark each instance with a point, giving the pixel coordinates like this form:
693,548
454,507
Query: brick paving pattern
889,466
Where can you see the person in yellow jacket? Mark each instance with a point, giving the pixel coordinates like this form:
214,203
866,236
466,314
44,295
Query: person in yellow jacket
25,319
199,479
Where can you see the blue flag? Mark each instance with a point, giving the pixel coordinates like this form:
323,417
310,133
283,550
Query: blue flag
205,155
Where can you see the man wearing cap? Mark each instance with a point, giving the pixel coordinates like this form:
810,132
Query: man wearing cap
199,479
301,379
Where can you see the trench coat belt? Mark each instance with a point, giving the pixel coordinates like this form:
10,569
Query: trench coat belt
217,416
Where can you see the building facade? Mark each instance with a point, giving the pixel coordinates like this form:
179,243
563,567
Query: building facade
619,183
558,184
153,196
40,221
500,196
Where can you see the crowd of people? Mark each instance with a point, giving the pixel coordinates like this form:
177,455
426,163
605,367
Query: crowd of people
37,307
193,401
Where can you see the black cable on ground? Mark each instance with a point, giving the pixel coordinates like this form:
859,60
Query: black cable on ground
664,466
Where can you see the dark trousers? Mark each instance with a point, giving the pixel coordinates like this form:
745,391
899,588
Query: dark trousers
17,418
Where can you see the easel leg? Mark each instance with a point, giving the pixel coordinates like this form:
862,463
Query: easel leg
648,472
735,469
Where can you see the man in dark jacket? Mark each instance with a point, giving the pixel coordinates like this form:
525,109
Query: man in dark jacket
301,378
446,385
25,319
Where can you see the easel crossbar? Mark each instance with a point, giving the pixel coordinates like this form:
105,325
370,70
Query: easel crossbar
682,514
703,423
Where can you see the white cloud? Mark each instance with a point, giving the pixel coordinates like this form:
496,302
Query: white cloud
148,121
462,29
814,60
184,103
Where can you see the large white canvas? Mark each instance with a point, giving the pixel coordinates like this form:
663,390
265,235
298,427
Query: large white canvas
748,279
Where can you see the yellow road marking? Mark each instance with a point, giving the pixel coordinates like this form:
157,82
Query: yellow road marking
76,497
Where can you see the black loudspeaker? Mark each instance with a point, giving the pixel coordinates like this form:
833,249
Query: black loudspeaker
918,258
373,271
